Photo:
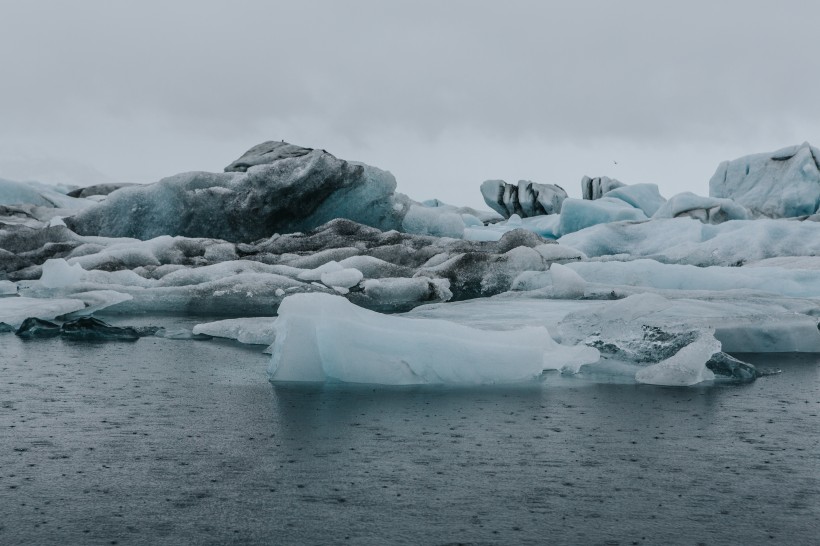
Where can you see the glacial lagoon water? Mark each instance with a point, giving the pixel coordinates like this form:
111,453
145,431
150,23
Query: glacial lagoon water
186,442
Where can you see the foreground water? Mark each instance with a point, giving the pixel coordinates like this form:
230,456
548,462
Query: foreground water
185,442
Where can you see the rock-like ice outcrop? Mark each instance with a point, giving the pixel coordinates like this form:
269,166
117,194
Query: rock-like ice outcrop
595,188
325,338
782,184
526,199
266,153
287,189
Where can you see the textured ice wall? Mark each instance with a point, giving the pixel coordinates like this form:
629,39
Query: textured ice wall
780,184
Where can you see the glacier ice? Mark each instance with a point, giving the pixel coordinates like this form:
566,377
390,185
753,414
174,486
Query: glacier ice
526,199
686,367
34,327
577,214
433,221
709,210
646,197
326,338
654,285
93,329
689,241
780,184
15,310
566,283
650,273
344,278
57,273
250,330
597,187
20,193
401,294
291,193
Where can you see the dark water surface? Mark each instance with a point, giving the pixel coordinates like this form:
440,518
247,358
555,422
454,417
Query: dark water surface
183,442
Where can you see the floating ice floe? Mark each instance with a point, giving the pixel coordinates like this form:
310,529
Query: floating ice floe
250,330
326,338
15,310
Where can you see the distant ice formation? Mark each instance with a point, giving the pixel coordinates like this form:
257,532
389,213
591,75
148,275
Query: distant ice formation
525,199
781,184
371,286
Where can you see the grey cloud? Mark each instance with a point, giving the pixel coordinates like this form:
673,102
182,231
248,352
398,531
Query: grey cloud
558,73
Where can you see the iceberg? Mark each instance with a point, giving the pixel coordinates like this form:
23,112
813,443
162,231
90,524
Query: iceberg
646,197
7,288
40,195
249,330
33,328
689,241
709,210
684,368
595,188
15,310
326,338
93,329
796,283
781,184
526,199
577,214
290,189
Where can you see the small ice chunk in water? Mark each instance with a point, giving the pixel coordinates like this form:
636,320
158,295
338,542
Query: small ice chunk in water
326,338
36,328
252,330
93,329
686,367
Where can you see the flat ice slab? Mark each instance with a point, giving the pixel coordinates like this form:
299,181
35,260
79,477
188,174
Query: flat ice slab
321,338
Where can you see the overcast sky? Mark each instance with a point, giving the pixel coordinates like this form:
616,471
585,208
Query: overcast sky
444,94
